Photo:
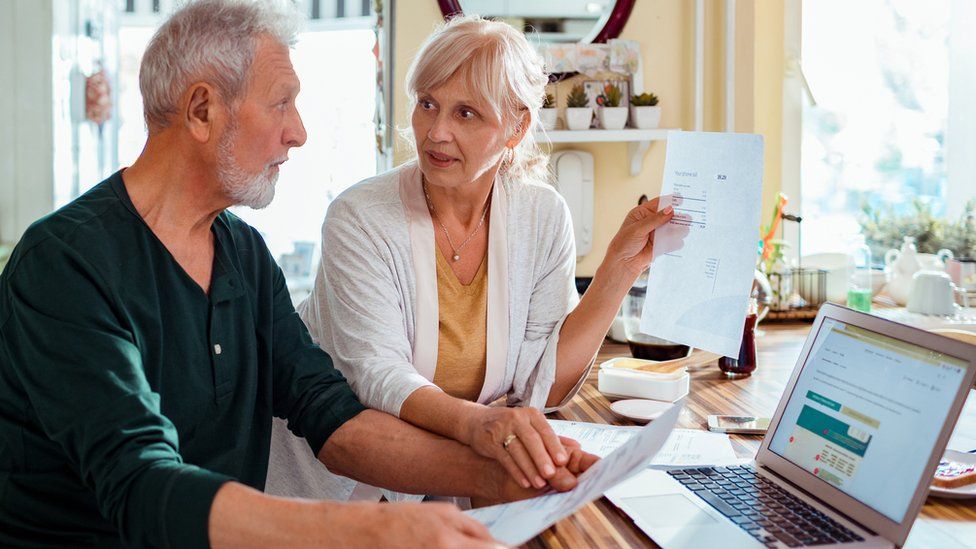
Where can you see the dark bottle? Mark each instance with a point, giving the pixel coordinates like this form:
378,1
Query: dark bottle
745,364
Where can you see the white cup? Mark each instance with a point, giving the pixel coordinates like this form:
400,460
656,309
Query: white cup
932,293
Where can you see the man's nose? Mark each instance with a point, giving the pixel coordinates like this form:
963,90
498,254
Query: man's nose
294,135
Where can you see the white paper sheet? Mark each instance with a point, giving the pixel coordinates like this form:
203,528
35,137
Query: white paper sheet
694,447
698,294
684,447
598,439
515,523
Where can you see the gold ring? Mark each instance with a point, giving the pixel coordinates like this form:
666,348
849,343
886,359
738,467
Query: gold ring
508,440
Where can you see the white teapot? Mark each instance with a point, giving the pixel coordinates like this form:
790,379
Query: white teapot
936,261
901,266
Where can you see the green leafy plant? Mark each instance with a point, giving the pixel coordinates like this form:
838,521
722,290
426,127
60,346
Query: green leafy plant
610,97
883,229
548,102
577,98
644,100
960,237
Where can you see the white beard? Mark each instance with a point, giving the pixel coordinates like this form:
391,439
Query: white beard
255,191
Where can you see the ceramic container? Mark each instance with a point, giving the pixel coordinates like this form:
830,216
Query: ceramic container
578,118
612,118
932,293
963,272
621,383
645,118
547,118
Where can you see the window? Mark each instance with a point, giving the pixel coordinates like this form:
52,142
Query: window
337,101
890,80
334,59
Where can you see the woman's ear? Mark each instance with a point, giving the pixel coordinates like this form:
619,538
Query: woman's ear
522,126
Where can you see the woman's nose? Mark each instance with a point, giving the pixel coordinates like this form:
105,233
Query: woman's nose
440,131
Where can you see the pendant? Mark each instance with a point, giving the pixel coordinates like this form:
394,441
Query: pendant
456,257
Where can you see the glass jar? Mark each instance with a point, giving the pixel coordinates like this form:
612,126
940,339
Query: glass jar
745,363
859,276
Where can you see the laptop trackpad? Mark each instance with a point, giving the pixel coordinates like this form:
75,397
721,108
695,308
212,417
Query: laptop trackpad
667,510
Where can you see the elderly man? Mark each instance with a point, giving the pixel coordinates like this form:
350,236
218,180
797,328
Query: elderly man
147,338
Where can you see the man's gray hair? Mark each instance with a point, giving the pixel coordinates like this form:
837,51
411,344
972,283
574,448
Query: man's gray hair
209,41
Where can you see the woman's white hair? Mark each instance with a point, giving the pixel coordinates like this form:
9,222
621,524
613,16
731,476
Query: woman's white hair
496,62
209,41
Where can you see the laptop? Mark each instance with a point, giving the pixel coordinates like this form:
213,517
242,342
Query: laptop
849,454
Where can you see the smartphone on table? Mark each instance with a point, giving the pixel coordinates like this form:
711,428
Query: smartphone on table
743,425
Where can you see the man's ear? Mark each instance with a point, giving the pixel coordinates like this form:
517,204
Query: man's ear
200,108
521,128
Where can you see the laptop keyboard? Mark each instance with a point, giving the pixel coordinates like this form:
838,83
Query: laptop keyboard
763,509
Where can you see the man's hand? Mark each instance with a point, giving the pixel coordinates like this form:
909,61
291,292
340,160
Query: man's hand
439,525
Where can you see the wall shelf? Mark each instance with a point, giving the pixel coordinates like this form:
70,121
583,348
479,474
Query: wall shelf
638,141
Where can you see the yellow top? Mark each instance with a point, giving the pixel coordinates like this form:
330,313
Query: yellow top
462,329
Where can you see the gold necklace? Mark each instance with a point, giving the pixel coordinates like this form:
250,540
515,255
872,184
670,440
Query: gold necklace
456,249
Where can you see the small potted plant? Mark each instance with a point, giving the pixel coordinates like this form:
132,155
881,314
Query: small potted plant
578,110
547,114
612,116
644,112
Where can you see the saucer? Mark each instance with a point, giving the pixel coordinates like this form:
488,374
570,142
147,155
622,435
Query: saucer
639,410
963,492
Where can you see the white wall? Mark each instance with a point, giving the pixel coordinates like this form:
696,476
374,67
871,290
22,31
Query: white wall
26,151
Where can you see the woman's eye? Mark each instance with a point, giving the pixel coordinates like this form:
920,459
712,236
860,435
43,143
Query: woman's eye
466,114
426,105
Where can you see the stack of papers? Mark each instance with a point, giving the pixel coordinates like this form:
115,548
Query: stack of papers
683,448
625,452
518,522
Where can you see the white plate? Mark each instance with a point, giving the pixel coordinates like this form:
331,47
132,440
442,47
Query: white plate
639,410
963,492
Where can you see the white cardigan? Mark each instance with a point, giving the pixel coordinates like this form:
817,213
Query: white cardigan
374,306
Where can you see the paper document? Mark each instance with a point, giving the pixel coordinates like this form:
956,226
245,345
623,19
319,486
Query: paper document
684,447
698,294
515,523
598,439
691,447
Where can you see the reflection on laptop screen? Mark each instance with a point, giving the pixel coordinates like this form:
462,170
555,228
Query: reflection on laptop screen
866,412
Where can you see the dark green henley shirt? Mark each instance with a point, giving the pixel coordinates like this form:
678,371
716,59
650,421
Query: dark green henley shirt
128,396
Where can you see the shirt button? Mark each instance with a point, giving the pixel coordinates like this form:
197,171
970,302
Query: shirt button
217,349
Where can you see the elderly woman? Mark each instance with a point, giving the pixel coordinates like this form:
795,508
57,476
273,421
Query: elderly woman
448,283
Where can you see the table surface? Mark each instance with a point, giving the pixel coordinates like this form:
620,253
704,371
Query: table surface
941,523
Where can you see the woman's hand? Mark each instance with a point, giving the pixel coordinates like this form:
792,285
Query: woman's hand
533,451
633,245
564,480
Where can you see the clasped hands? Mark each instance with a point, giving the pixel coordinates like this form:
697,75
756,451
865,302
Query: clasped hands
524,444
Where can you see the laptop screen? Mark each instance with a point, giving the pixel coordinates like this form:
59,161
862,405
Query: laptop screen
865,414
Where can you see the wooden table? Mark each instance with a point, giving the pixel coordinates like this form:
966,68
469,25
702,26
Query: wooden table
942,522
